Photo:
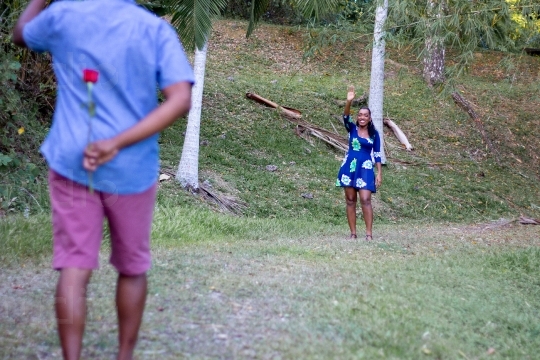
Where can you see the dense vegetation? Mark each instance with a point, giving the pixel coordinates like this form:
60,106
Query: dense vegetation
27,91
451,175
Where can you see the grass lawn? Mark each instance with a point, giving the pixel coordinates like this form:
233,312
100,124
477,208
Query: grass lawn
256,288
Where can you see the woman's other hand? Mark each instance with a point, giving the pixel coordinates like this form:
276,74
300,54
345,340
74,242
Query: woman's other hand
378,179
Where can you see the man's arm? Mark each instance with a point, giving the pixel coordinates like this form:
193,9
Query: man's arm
31,11
177,103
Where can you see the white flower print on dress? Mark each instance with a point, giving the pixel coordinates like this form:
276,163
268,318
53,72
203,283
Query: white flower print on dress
345,159
367,164
345,180
360,183
370,140
377,154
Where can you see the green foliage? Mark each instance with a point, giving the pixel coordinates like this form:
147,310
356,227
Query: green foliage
316,8
342,31
26,88
461,25
451,177
240,138
257,9
193,19
354,11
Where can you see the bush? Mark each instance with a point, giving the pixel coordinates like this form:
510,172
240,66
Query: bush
27,91
279,12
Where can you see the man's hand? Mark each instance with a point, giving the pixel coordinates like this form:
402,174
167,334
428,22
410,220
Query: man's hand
350,94
177,103
98,153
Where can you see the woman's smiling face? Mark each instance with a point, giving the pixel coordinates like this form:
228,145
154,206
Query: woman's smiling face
363,117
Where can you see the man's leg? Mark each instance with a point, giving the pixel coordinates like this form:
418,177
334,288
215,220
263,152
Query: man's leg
77,219
130,223
70,304
130,300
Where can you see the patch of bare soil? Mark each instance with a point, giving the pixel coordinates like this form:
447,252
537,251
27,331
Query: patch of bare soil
279,46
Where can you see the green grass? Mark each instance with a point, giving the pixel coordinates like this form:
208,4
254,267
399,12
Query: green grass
227,286
450,177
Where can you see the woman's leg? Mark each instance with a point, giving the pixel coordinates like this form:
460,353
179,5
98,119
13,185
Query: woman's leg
367,210
350,199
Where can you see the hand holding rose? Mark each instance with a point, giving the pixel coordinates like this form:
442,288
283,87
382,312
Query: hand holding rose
98,153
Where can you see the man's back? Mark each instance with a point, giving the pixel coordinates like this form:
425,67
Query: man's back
132,50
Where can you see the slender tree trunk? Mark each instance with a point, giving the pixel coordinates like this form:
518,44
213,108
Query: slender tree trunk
188,169
434,61
376,86
434,52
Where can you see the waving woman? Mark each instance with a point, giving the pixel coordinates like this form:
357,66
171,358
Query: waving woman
356,175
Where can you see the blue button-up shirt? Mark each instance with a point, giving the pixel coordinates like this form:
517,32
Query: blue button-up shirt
135,52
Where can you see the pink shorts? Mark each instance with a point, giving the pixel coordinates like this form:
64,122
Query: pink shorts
77,219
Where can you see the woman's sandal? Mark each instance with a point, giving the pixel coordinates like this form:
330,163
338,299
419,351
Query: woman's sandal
369,237
353,236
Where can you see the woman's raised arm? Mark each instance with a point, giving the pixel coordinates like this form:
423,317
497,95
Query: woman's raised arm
350,98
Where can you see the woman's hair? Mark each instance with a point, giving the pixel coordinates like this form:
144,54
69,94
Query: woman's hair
371,127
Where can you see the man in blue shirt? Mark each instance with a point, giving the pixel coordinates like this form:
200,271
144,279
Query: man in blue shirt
110,147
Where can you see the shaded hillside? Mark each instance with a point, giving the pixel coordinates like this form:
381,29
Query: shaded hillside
450,175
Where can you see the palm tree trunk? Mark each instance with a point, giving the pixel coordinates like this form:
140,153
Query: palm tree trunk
376,86
188,169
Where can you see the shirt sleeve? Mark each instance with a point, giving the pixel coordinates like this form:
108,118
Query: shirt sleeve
377,148
37,33
173,65
347,123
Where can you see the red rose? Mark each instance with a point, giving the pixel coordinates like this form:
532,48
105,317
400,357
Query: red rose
90,75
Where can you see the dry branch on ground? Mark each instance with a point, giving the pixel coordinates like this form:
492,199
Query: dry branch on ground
466,106
528,221
227,203
332,138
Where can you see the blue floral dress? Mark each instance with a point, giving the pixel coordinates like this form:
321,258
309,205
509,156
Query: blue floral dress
357,168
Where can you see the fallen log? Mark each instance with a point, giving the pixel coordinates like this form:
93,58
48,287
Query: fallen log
294,116
227,203
399,134
466,106
532,51
283,109
333,139
528,221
